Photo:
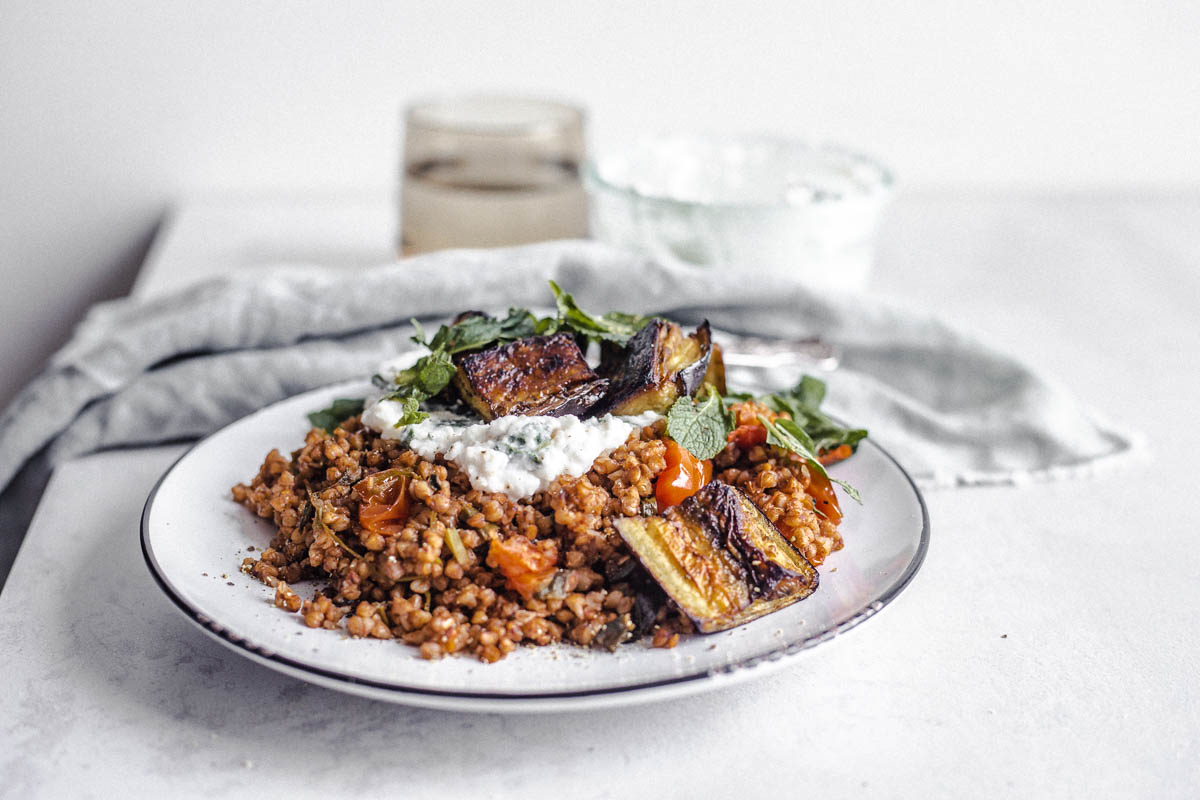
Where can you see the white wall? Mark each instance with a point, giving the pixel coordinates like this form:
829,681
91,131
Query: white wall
109,109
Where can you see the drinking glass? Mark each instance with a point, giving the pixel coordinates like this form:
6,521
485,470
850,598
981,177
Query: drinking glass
488,171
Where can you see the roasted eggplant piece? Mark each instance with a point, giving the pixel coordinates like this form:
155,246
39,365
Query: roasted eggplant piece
715,373
694,370
536,375
719,558
659,365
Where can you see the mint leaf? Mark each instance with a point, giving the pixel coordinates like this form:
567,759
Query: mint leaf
470,334
519,323
435,372
424,379
700,428
479,331
623,322
548,326
411,414
418,332
850,490
615,326
338,412
810,392
790,436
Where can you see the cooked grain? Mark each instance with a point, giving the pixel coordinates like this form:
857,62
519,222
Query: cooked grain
409,585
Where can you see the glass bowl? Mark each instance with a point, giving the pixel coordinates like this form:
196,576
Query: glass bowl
768,206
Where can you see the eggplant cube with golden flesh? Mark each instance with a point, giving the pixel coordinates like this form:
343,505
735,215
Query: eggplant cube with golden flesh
659,365
538,375
719,558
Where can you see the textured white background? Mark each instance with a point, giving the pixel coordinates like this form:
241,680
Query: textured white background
109,110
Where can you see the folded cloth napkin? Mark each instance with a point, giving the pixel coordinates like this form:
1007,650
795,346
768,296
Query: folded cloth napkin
148,370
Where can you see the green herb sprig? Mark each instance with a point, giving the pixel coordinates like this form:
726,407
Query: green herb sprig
615,326
703,427
477,331
785,433
803,403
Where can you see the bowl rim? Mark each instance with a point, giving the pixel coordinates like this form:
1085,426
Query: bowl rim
594,179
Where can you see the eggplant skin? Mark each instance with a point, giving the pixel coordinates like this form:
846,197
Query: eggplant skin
538,375
691,376
719,558
768,558
657,366
715,374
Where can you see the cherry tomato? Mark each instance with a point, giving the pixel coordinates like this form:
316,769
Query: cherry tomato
525,566
748,430
746,413
820,489
747,436
684,476
385,501
839,453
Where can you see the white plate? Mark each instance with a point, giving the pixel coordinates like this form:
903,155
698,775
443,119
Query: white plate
194,538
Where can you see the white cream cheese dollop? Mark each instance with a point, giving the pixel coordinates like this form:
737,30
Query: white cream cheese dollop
516,455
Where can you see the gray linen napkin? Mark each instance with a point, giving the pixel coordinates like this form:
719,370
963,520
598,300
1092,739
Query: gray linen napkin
141,371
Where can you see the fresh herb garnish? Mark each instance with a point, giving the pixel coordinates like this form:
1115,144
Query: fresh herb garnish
803,402
338,412
529,443
785,433
479,331
615,326
410,413
428,376
432,373
701,428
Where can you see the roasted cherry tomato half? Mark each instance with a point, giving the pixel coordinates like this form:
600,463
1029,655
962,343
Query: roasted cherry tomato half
747,436
820,489
525,566
839,453
385,501
684,476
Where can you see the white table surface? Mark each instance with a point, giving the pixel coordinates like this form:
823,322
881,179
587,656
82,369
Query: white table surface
1048,648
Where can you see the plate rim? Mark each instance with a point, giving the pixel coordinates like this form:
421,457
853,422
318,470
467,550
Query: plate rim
400,691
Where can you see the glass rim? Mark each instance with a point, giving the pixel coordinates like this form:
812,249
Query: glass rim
462,115
595,179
